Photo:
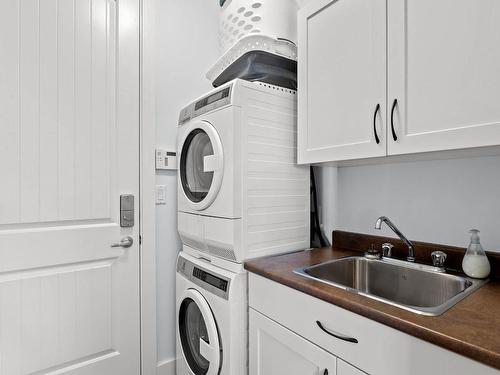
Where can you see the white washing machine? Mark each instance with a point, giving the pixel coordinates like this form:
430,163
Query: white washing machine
212,321
241,194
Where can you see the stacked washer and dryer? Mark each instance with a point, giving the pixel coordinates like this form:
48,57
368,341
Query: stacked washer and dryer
241,195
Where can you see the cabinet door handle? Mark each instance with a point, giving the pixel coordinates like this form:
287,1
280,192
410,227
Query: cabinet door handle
325,372
377,108
337,336
394,104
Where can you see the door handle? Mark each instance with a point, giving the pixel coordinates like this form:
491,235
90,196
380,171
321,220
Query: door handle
125,242
377,108
340,337
394,136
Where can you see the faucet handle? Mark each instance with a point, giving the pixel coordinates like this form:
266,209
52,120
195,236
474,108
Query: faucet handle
372,253
387,249
438,258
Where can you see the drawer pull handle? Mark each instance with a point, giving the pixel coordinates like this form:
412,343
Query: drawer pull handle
340,337
325,372
377,108
394,136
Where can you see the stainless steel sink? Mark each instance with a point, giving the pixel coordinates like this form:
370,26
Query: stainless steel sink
410,286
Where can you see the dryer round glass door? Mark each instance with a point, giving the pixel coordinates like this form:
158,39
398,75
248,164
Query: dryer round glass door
201,164
198,335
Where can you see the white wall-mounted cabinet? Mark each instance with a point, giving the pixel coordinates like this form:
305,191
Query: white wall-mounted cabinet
443,64
342,80
431,65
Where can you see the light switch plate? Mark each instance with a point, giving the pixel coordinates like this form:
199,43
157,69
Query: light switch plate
161,194
165,159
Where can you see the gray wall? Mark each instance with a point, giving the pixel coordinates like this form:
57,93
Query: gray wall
187,47
435,201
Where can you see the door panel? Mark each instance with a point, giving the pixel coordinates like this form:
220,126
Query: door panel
342,78
69,302
58,124
443,69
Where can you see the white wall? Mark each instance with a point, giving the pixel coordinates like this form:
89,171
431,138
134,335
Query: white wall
326,186
435,201
186,37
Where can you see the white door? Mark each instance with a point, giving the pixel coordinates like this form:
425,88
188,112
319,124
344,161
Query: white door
278,351
69,136
342,80
444,60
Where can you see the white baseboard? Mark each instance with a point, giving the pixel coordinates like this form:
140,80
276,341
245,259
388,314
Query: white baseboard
166,367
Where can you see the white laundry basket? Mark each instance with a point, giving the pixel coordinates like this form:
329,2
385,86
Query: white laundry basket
273,18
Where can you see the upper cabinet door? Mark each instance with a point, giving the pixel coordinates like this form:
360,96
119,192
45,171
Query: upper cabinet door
342,80
444,72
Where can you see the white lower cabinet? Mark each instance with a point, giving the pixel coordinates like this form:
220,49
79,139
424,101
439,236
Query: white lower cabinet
344,368
275,350
294,333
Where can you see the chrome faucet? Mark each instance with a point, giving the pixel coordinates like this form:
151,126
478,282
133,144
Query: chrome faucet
390,224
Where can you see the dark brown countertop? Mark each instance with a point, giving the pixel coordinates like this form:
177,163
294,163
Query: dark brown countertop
470,328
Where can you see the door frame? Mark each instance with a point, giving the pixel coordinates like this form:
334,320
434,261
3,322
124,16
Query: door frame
147,212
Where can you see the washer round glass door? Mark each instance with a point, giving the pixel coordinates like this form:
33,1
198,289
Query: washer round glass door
201,164
198,334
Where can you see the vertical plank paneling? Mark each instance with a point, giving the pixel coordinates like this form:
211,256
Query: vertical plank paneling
9,111
57,133
49,316
83,80
29,111
84,300
99,166
100,308
31,328
10,327
67,328
48,111
66,108
54,318
111,103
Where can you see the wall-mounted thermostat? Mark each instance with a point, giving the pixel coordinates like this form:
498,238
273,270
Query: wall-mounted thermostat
165,159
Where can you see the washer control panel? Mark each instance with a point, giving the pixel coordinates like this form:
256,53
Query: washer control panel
211,279
206,104
216,284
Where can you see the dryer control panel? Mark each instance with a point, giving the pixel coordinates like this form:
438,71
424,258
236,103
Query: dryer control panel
216,284
206,104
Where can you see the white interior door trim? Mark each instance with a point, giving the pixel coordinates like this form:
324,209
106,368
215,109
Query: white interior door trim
149,358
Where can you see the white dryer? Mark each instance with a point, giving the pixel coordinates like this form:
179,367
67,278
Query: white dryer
241,194
211,319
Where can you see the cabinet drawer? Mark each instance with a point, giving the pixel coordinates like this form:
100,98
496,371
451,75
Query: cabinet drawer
379,349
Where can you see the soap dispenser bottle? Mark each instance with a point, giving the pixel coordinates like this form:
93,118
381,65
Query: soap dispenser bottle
475,263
